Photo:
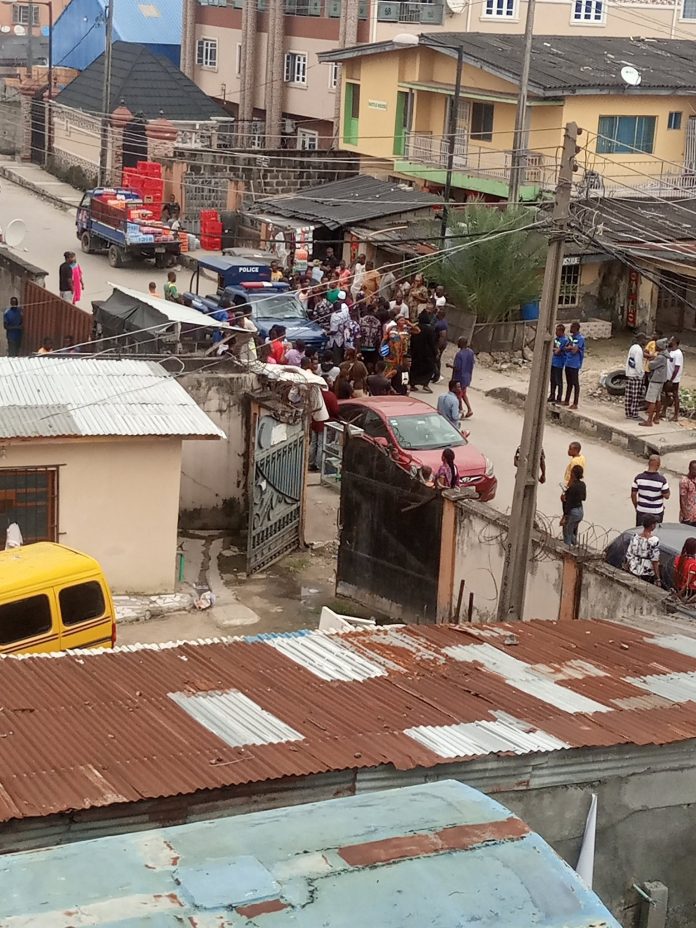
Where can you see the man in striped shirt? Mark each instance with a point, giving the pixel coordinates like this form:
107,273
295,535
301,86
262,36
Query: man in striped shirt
649,492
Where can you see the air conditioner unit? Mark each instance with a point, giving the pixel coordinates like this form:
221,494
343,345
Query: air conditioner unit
289,126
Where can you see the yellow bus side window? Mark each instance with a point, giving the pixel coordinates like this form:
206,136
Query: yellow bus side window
24,618
81,602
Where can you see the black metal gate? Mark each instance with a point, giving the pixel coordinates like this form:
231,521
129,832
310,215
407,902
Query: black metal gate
38,130
276,490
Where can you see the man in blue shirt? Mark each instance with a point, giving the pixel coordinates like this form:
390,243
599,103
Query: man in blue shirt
463,370
574,356
558,360
14,324
448,404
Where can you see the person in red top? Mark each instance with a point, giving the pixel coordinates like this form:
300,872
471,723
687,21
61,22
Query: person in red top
278,345
685,569
316,441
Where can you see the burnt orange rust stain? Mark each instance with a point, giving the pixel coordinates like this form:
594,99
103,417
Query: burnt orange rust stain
261,908
455,838
462,837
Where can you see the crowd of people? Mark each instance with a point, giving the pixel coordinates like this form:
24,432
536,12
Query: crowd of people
654,370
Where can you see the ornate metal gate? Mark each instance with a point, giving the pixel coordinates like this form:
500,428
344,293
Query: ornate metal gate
276,490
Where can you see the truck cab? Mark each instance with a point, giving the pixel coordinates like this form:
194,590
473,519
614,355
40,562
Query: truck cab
246,285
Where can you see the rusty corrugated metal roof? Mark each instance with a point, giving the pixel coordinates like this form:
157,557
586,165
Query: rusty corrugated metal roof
86,730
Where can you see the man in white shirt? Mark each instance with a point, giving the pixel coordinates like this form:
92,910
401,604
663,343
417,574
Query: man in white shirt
399,304
634,377
676,371
358,275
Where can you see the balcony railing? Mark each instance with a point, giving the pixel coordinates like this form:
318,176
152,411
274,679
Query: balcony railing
475,160
410,12
329,8
643,178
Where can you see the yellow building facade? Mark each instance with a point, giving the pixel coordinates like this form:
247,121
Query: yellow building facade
396,105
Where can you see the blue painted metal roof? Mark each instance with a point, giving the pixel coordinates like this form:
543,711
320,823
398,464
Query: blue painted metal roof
441,855
78,33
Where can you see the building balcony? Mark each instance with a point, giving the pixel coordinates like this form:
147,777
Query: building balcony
314,8
474,167
410,12
643,178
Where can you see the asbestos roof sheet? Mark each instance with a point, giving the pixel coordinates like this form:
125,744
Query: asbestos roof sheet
66,396
348,201
441,855
90,729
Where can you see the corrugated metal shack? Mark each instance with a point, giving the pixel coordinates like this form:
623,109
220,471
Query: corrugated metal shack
441,855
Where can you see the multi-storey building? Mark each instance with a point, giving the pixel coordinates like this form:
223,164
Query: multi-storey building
259,57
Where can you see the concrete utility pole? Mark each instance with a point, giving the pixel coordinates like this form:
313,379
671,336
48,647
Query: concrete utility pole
347,36
30,41
520,138
275,60
248,69
187,56
106,94
518,545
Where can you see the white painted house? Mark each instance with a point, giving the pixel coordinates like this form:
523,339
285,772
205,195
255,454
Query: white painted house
90,456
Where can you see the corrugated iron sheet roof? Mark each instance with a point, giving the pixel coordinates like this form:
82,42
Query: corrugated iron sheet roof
91,729
67,396
344,202
441,854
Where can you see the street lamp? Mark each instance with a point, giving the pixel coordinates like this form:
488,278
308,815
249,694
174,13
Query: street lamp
406,40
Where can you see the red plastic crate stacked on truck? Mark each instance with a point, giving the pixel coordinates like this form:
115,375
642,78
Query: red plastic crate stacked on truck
211,230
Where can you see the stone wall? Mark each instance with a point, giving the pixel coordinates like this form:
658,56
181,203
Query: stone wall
261,173
11,125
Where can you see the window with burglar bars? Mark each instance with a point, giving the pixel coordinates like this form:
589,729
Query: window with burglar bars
20,14
29,497
570,285
689,9
206,53
500,8
588,11
295,68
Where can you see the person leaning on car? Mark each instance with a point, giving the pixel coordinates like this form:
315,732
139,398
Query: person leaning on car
643,553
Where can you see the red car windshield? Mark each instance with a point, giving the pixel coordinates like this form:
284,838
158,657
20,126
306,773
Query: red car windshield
425,433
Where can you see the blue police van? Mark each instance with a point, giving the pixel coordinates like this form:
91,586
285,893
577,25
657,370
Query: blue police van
245,284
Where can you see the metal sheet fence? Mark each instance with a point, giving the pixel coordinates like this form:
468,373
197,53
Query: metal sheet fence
48,316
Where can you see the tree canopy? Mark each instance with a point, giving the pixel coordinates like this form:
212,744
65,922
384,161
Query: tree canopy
499,267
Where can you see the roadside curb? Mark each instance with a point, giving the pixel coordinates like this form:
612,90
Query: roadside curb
604,431
15,178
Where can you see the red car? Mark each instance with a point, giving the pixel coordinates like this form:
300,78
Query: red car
418,435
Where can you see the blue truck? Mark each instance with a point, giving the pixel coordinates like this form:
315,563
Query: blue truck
116,221
244,283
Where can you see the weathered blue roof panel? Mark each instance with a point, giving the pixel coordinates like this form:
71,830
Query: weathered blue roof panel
441,855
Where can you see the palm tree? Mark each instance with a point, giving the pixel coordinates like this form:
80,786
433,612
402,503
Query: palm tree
499,266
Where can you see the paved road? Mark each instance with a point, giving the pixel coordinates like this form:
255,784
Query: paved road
51,231
496,430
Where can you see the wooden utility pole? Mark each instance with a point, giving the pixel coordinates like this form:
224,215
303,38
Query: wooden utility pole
520,140
106,96
518,544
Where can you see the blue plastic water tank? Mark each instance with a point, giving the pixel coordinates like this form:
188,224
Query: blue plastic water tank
529,311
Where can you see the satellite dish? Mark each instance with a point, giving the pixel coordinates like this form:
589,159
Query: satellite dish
5,29
630,76
15,232
456,6
19,30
